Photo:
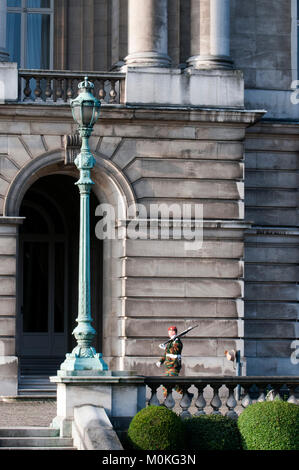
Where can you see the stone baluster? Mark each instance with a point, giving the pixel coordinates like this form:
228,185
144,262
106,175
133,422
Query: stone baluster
292,397
27,90
154,397
102,91
231,402
277,392
200,402
247,399
147,34
69,91
262,396
185,403
112,92
59,90
37,90
284,392
49,91
270,395
169,401
216,402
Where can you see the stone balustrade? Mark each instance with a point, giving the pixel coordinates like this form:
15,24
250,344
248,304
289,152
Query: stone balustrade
48,86
228,396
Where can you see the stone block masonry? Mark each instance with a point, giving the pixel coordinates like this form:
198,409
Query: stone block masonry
186,156
271,249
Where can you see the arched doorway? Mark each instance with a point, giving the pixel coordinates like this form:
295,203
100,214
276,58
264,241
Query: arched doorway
48,273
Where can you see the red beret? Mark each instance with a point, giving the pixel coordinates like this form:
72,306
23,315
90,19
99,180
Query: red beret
172,328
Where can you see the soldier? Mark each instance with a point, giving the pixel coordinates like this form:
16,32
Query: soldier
172,357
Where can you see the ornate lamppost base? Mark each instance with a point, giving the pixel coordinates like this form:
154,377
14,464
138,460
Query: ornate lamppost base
77,364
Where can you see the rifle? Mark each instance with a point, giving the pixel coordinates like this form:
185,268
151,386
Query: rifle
163,345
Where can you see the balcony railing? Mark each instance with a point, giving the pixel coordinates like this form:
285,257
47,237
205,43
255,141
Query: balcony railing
228,396
57,87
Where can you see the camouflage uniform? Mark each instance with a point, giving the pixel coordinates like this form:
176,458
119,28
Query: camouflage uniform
172,365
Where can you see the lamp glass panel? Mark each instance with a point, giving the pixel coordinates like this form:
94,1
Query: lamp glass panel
87,111
76,110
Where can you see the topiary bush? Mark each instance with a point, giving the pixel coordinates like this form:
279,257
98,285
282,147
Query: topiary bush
270,425
156,428
212,432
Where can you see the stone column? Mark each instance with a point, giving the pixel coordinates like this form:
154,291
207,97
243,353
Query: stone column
3,52
147,33
216,54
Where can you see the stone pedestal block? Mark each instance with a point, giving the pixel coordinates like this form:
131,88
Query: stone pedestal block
8,81
9,376
169,87
120,394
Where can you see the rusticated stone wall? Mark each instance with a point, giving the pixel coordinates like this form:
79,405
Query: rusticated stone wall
197,159
271,248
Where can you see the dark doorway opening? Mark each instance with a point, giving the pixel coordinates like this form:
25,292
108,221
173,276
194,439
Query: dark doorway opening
48,274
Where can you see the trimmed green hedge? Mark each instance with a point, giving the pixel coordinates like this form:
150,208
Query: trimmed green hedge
156,428
270,425
212,432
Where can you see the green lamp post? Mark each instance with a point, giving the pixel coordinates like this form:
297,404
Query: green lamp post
85,110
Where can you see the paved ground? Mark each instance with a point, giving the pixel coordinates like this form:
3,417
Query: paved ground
27,412
37,412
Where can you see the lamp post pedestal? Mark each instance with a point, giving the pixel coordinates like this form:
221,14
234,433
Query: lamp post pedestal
120,393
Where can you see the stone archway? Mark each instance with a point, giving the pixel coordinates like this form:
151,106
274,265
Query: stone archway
111,187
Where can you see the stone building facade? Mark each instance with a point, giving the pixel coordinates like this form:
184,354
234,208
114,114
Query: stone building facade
199,110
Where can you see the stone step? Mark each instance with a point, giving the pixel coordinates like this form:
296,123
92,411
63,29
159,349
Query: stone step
36,385
33,438
42,365
35,378
29,397
38,448
29,431
36,442
36,390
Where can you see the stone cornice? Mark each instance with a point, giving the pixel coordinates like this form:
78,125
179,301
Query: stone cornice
53,112
273,231
209,224
266,127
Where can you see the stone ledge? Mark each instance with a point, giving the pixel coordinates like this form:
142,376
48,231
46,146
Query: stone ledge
158,86
188,223
92,429
9,112
97,379
11,220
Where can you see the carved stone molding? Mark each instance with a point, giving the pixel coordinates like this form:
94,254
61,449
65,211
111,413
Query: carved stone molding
72,145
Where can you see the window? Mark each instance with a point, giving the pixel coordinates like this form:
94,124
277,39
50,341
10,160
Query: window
30,33
298,39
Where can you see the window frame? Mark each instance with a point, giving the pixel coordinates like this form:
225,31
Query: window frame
23,10
297,35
